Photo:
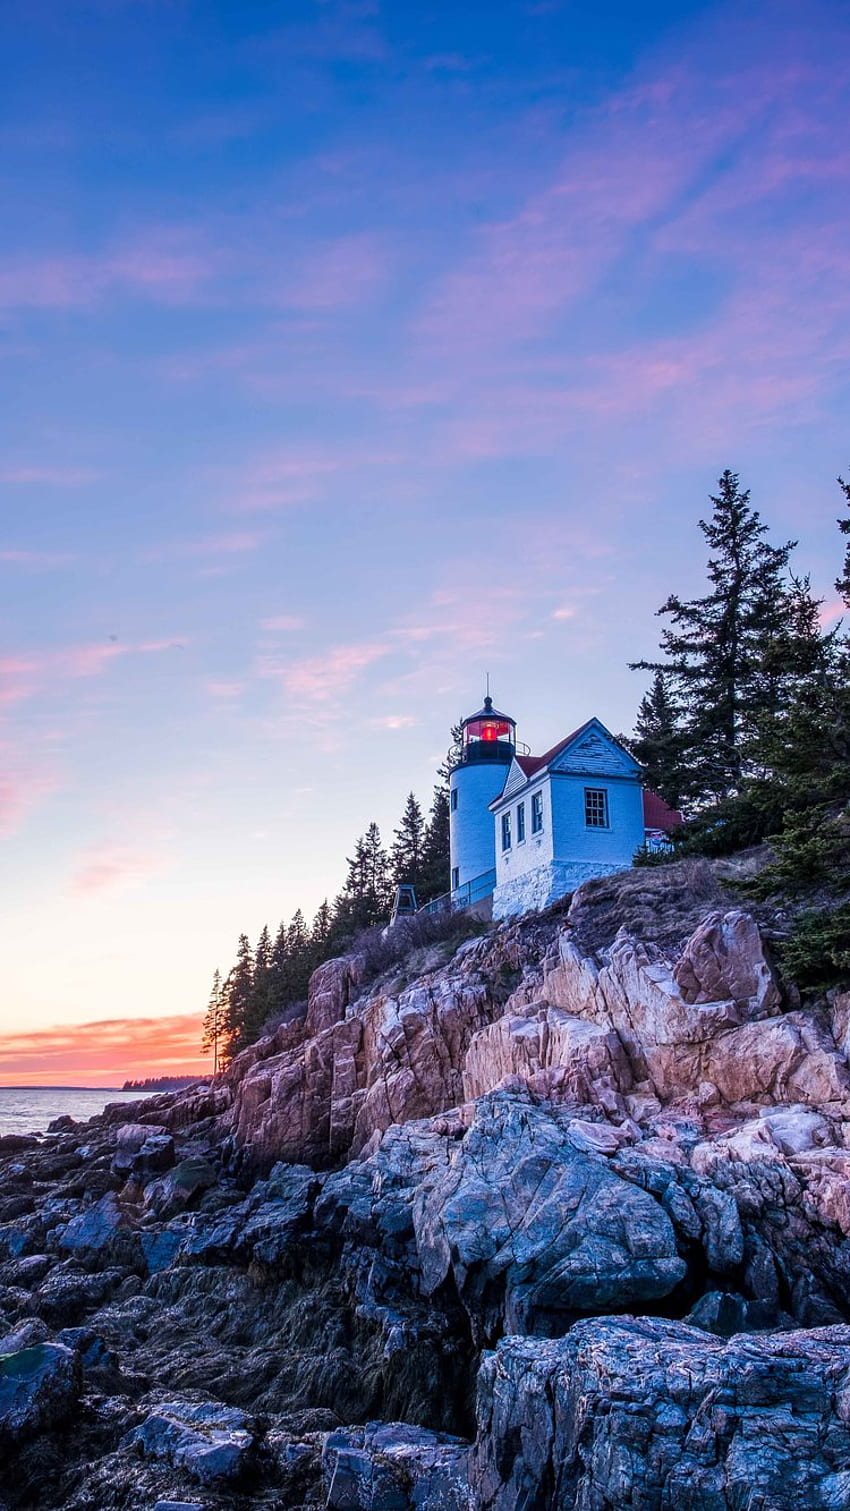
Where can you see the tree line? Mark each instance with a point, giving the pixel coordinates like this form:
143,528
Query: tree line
272,974
746,726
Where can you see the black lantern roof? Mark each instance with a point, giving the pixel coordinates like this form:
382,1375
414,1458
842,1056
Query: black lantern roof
489,712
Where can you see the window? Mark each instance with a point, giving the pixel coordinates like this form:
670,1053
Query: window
454,799
455,878
520,823
537,813
506,831
596,807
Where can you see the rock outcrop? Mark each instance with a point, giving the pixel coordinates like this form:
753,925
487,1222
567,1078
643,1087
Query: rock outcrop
561,1220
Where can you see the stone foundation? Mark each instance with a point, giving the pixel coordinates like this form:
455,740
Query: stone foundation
544,885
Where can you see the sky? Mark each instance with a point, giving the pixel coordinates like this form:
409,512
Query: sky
350,350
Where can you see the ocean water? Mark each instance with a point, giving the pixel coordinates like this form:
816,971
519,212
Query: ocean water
29,1109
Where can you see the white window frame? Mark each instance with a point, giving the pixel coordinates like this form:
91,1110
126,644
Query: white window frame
537,813
520,823
506,833
595,809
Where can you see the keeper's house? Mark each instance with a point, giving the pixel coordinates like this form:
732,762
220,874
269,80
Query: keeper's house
528,829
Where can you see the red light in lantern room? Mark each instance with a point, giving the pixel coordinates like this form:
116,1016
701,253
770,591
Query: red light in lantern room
489,732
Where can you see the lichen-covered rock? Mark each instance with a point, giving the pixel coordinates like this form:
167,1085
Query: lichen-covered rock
39,1388
558,1053
724,958
393,1466
535,1232
213,1443
651,1414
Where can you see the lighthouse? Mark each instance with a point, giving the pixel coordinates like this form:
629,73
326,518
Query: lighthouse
488,745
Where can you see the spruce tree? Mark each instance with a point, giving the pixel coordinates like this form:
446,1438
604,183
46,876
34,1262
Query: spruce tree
279,968
300,956
842,583
714,646
436,860
657,741
366,897
406,855
213,1031
237,992
261,1003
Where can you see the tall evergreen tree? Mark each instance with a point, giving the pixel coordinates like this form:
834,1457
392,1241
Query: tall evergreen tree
406,855
279,967
842,583
320,931
366,897
657,741
714,645
436,860
261,1003
237,992
213,1031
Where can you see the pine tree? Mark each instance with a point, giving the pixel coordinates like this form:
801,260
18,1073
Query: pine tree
436,860
212,1034
715,645
657,741
320,931
453,754
366,897
811,760
842,583
279,968
406,856
300,953
237,992
261,1003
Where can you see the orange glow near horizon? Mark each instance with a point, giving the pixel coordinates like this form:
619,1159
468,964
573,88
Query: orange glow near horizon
105,1053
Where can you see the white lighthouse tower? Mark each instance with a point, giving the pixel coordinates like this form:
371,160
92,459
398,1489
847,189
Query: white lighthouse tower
488,747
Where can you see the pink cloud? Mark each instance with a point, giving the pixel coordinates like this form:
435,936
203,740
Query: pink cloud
228,543
345,272
283,623
58,477
21,792
107,867
164,264
37,559
317,679
22,676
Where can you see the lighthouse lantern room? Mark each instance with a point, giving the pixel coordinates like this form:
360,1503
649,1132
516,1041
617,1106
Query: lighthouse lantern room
488,745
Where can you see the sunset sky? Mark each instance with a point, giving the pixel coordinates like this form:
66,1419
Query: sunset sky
350,350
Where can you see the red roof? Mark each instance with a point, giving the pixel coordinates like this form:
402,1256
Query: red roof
531,764
657,814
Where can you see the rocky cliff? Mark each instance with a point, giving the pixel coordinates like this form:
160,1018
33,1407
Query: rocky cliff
555,1218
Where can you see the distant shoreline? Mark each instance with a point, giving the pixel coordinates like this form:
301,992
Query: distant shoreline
34,1086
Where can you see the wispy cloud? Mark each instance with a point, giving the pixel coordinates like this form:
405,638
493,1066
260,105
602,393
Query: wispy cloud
19,793
108,867
283,623
54,477
39,560
318,679
167,265
21,676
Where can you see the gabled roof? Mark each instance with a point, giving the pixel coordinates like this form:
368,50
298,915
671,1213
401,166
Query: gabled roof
531,765
657,814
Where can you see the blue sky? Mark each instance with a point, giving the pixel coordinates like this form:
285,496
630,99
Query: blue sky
349,350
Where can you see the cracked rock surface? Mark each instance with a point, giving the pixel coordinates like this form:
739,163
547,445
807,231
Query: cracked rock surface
561,1219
